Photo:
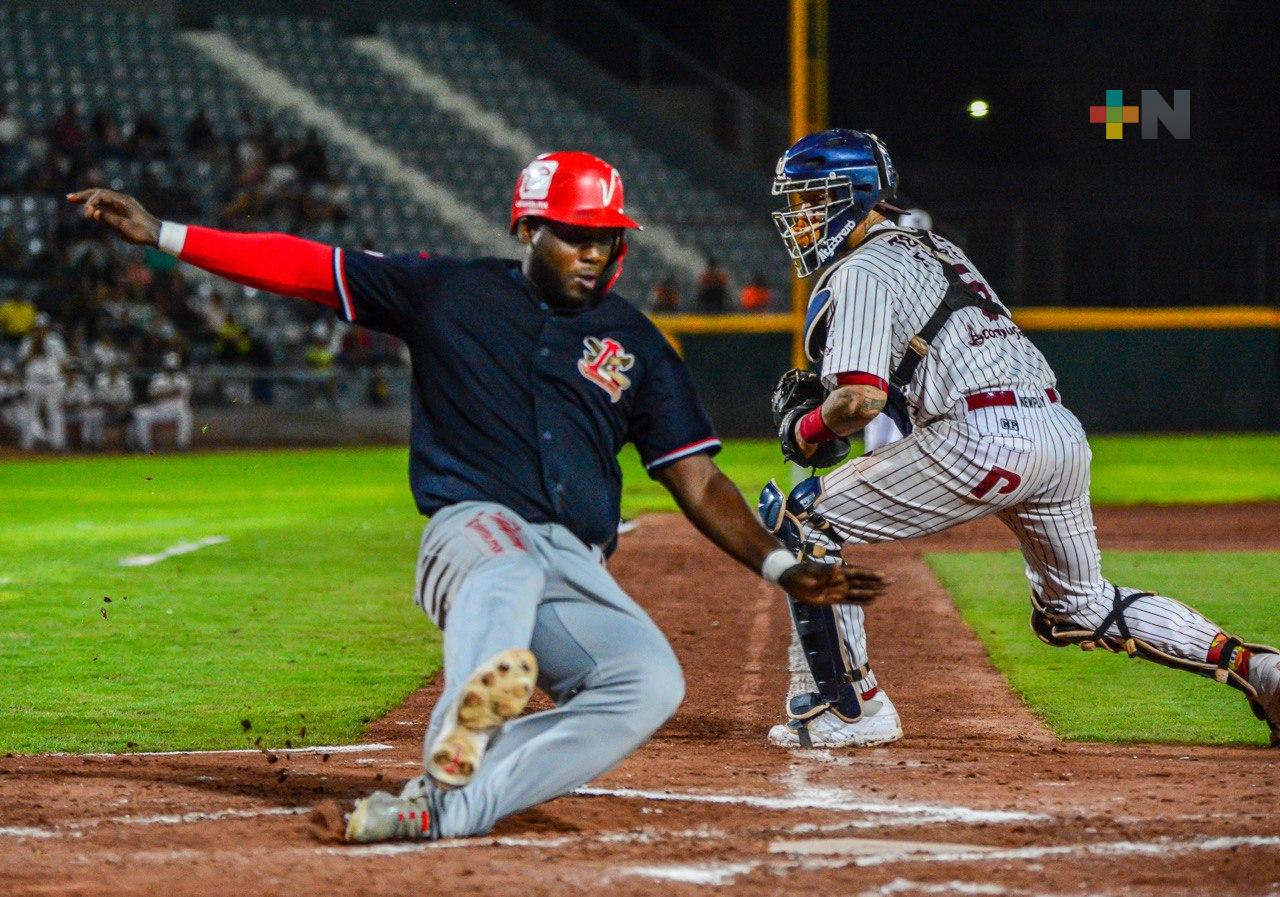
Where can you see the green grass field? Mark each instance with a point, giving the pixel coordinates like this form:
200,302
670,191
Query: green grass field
1097,696
303,618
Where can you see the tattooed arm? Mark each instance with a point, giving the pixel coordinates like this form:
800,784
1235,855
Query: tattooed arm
846,411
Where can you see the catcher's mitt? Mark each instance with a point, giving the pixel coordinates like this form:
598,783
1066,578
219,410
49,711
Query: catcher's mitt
798,393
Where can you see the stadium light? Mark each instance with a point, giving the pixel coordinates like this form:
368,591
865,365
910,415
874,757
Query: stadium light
978,108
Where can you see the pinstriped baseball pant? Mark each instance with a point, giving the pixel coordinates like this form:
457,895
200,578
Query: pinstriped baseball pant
494,582
1028,466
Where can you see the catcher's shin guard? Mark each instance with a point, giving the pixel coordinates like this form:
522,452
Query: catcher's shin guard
794,521
809,536
828,660
1058,631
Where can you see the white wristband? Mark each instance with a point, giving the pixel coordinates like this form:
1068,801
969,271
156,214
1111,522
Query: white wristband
776,563
172,238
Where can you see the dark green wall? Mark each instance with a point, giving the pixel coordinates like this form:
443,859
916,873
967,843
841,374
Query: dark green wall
735,373
1135,380
1115,381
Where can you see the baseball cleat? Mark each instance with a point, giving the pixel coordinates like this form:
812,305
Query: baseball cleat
495,693
826,730
384,817
1264,676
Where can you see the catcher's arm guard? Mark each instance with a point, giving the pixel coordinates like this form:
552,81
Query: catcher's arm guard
797,393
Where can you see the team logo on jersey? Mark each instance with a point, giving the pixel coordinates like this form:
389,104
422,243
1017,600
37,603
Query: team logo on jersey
603,362
535,180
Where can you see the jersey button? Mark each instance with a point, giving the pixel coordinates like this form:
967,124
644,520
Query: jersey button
544,351
546,434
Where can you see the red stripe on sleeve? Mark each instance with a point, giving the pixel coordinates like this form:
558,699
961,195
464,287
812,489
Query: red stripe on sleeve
277,263
862,378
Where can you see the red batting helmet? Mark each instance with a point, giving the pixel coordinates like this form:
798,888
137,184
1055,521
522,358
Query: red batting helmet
572,188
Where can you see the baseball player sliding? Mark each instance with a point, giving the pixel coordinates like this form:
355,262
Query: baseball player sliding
528,377
902,309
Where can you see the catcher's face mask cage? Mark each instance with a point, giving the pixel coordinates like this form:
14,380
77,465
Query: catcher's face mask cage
831,180
820,215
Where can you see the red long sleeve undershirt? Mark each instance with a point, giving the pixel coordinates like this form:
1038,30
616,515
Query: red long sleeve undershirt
277,263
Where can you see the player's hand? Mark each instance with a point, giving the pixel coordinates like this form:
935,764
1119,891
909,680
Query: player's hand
120,212
815,583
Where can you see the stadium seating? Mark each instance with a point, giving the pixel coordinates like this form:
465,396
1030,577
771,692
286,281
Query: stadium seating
450,150
132,63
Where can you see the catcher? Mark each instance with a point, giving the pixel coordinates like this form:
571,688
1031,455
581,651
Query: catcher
903,308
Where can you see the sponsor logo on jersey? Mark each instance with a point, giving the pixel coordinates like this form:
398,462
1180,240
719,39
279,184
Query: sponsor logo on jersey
978,337
603,362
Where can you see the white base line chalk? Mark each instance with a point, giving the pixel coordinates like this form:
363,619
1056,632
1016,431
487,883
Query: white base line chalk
822,801
727,873
146,560
323,749
76,829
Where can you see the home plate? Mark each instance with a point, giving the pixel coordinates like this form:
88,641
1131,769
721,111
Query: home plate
871,847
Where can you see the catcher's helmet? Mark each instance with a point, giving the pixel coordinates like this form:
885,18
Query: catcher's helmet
576,188
852,171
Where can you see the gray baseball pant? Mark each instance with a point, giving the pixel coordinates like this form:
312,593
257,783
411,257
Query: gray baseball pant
494,582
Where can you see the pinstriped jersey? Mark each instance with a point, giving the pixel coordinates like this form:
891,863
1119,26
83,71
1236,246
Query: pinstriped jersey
881,296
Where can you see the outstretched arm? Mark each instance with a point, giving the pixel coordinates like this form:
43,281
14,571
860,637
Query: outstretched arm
277,263
715,506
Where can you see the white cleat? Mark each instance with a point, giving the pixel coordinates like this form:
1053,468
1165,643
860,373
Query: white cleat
1264,676
879,724
499,690
382,817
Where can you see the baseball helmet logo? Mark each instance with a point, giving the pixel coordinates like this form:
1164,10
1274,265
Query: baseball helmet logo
535,180
607,187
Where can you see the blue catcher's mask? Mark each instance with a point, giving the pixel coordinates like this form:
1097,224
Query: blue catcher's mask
832,180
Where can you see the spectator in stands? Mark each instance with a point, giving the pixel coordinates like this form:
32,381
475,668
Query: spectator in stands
319,359
17,317
232,343
11,128
147,139
379,391
756,295
15,261
104,135
327,200
666,296
113,393
104,353
43,385
66,137
713,288
42,331
12,148
214,314
81,409
310,160
14,409
199,138
168,402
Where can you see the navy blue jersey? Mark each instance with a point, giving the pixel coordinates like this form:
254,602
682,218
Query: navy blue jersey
516,403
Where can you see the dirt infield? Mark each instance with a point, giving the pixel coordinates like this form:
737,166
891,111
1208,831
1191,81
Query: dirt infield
978,799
